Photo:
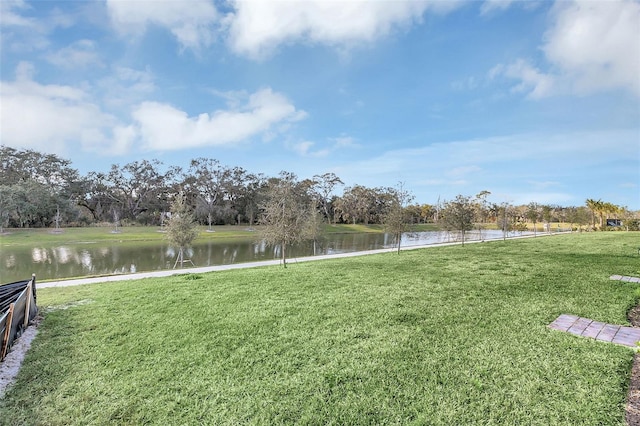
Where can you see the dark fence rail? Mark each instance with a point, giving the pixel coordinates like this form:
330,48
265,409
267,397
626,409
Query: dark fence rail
17,309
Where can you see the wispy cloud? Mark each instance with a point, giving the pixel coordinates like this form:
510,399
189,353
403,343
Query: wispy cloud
79,54
533,163
22,32
489,6
192,24
334,146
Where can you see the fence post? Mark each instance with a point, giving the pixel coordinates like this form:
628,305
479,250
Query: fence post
33,280
7,332
27,306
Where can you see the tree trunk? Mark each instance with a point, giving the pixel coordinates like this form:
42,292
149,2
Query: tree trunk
284,257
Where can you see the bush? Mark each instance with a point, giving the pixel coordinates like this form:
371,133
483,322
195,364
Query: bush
633,225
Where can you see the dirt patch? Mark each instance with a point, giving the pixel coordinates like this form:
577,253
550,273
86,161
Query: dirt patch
632,411
11,365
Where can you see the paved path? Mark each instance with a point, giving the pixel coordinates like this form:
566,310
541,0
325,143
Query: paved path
627,336
626,279
200,270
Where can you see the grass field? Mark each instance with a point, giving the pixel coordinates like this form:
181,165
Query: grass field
448,335
44,236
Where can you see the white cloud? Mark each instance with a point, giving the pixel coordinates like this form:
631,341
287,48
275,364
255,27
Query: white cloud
596,44
23,33
126,87
164,127
549,198
304,149
494,5
463,171
530,162
50,117
591,46
192,22
80,54
19,32
535,83
344,141
256,28
469,83
539,185
340,143
9,16
55,118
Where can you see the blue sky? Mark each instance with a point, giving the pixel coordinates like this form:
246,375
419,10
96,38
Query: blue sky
532,101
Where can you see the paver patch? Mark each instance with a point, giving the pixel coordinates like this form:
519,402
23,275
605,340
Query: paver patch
585,327
625,278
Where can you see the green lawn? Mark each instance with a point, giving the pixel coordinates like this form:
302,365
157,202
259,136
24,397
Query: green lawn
46,236
445,336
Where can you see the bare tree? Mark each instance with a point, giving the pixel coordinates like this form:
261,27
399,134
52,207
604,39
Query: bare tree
182,229
505,219
396,219
482,210
457,215
286,213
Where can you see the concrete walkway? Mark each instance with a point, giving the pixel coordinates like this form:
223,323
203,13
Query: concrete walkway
611,333
625,279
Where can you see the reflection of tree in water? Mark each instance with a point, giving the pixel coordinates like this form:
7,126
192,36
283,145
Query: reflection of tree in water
103,259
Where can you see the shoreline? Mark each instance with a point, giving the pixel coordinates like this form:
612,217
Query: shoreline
205,269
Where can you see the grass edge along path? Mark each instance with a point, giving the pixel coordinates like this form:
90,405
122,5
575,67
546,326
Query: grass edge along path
254,264
456,335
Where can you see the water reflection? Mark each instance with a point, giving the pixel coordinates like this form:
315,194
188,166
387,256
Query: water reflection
122,258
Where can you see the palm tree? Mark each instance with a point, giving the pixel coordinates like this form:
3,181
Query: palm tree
596,207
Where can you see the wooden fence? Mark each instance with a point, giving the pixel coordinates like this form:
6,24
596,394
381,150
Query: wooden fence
17,308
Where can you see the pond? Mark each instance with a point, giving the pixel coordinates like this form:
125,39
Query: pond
89,259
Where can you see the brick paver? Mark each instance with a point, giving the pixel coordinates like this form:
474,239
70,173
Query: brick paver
625,279
585,327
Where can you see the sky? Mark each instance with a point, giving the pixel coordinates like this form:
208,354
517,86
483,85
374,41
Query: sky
533,101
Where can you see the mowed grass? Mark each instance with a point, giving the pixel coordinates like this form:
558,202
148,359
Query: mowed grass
48,236
442,336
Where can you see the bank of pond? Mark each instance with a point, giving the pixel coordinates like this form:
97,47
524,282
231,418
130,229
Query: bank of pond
50,261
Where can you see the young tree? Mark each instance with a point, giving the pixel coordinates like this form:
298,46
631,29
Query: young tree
505,219
547,215
533,214
458,215
182,229
286,213
481,206
395,220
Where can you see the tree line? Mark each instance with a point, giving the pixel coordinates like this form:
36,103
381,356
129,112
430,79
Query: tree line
40,190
